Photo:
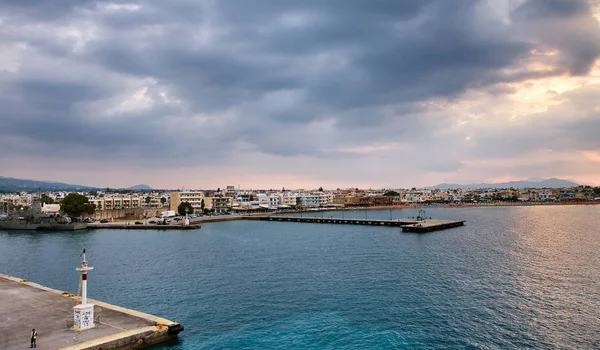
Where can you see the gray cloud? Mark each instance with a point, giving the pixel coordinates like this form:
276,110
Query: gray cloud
564,25
146,80
536,9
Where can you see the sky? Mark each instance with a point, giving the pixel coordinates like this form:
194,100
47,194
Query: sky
299,93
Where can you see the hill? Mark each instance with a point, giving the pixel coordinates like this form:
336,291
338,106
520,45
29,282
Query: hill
9,184
529,183
141,187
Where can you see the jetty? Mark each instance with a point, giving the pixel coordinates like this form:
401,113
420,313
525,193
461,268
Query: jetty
407,225
142,227
10,226
26,305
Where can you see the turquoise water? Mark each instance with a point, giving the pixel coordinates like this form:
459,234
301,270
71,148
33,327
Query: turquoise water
513,278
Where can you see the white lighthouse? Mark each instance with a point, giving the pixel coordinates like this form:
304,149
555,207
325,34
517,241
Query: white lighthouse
83,314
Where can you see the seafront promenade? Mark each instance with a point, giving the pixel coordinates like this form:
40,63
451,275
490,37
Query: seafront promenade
26,305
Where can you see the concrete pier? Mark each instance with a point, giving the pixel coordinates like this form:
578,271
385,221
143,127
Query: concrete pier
43,227
26,305
408,225
118,226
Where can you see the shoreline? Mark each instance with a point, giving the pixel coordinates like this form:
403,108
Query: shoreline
438,205
235,217
196,222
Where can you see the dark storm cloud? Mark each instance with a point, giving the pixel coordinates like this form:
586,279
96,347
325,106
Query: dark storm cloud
258,73
564,25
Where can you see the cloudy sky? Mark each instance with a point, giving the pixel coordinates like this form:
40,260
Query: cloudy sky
300,94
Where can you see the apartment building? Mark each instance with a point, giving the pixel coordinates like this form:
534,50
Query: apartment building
116,202
308,200
195,198
288,199
222,204
325,198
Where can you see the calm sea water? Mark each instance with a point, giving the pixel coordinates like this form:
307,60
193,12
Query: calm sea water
513,278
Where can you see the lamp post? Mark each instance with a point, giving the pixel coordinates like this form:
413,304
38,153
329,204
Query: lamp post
83,314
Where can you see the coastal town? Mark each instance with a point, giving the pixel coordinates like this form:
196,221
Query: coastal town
111,205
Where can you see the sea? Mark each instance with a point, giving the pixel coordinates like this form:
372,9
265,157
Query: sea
513,278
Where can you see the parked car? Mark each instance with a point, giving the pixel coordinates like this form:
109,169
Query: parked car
177,219
89,220
139,223
152,222
103,221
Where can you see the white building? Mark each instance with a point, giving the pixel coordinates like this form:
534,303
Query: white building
274,201
308,200
50,209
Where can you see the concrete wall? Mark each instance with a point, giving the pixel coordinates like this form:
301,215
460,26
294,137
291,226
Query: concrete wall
132,214
58,227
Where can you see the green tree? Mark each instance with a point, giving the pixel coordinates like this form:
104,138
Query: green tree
391,194
163,200
75,205
46,199
202,205
184,207
320,189
148,200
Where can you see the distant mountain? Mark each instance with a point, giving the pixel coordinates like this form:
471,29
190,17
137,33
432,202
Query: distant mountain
9,184
529,183
141,187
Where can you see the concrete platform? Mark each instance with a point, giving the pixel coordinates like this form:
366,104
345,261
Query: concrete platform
408,225
432,225
43,227
118,226
26,305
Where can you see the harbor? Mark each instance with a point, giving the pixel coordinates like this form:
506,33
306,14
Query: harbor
270,284
408,225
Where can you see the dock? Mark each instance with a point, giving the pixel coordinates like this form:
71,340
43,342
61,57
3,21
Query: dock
407,225
143,227
25,305
43,226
